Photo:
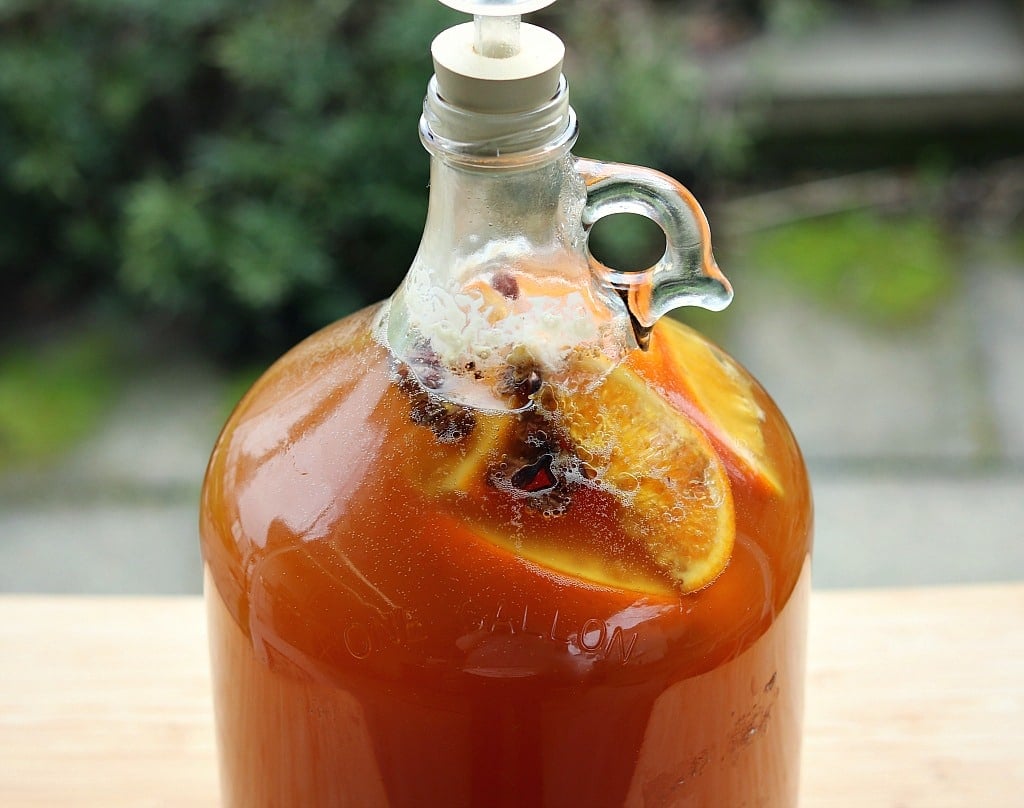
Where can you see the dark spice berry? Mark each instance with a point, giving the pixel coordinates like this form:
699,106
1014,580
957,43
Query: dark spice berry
449,422
536,477
423,354
537,455
505,284
518,382
432,378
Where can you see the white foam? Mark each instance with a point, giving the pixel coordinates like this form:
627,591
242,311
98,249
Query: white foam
463,326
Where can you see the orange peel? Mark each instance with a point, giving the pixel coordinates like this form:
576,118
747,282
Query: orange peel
722,392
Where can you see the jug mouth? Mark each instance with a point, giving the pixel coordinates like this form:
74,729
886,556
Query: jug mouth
496,141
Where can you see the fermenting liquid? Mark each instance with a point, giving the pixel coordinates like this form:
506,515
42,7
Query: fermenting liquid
416,604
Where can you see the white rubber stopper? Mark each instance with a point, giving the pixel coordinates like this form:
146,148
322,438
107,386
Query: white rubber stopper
468,79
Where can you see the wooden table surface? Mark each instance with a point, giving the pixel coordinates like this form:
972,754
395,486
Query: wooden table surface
914,698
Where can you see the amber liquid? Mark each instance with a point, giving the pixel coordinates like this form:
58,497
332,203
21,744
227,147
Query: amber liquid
375,643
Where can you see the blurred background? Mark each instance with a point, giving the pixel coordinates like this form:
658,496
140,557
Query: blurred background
188,188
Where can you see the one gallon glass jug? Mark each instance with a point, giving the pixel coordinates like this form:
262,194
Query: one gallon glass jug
512,537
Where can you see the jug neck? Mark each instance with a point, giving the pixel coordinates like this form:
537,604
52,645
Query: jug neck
523,220
502,276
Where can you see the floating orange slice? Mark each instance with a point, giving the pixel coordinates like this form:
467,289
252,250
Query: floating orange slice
467,466
721,391
676,496
554,544
676,489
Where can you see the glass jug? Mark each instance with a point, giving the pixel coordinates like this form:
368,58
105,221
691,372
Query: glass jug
512,537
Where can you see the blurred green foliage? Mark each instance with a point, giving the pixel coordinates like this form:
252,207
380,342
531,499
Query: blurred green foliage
640,95
886,270
251,168
53,394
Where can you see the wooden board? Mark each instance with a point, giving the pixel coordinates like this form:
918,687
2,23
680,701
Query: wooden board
914,698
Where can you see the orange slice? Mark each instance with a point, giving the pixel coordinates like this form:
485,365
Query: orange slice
676,490
676,497
593,568
724,394
468,469
553,544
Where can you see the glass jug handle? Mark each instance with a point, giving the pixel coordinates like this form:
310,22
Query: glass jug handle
687,274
